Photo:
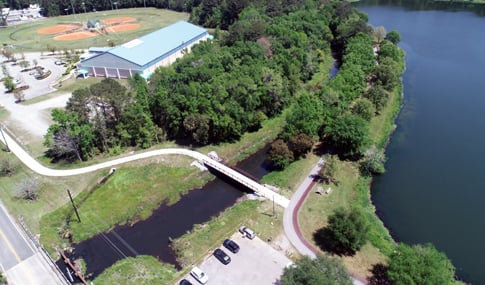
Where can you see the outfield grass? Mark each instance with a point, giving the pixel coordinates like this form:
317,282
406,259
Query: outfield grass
25,38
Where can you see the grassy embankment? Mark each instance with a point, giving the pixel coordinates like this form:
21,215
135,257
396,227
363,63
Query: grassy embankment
26,39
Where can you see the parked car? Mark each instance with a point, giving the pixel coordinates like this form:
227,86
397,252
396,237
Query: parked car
185,282
247,232
231,245
59,62
222,256
199,275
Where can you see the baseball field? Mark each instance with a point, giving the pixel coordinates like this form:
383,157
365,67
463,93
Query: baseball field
73,31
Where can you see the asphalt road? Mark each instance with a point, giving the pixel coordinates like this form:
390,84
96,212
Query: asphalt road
13,246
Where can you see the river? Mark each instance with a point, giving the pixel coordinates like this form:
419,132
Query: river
151,236
434,187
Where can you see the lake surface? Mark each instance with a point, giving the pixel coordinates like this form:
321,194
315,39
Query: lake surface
434,187
152,236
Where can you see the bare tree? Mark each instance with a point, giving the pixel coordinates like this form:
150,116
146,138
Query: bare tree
66,146
18,95
380,33
3,15
5,70
8,53
28,189
35,62
7,167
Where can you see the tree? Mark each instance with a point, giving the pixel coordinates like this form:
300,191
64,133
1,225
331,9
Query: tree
329,169
393,36
373,162
378,96
305,116
379,34
346,232
319,271
300,144
24,64
27,189
18,95
349,133
280,154
9,84
420,264
364,108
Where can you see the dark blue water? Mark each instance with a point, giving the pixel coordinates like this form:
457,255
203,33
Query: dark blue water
434,187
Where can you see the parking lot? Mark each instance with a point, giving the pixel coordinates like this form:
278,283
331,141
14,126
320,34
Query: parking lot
255,263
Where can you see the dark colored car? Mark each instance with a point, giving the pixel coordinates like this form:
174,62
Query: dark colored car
185,282
231,245
222,256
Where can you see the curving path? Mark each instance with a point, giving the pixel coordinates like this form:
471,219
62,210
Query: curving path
35,166
290,217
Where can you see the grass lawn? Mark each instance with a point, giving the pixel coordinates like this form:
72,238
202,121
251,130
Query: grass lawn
52,192
291,177
316,209
131,194
26,39
142,270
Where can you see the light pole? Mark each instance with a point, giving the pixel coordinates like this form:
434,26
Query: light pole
84,7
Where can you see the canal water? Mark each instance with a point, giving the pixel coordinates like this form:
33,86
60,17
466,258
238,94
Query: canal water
152,236
434,187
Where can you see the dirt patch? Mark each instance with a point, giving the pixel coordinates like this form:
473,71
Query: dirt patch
122,28
118,20
75,36
57,29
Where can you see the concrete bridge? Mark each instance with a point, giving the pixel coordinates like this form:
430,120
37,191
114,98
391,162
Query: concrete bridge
35,166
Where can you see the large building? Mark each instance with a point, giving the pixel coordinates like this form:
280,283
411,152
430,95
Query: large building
145,54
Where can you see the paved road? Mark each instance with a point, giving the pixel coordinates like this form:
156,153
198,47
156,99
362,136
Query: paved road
13,246
290,217
21,262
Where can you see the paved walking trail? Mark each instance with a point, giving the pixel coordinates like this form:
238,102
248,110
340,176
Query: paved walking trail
290,217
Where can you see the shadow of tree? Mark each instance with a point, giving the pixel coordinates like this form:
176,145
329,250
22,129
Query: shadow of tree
326,241
379,275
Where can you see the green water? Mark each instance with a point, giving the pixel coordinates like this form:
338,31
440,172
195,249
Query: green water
434,187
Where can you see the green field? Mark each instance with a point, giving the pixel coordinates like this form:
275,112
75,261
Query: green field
25,38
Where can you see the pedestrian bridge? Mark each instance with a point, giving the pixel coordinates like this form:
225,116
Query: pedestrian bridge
35,166
244,180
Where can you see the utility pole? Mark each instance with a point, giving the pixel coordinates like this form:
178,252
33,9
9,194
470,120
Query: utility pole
273,208
73,205
5,140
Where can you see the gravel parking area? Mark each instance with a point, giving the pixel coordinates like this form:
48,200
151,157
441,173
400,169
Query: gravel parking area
255,263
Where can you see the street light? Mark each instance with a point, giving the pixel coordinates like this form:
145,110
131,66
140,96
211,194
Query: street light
84,7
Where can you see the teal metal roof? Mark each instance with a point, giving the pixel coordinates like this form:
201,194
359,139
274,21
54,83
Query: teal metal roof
146,49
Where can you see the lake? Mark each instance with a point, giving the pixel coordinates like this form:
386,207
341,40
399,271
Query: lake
434,187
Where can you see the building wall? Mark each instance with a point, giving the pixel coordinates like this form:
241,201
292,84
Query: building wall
109,65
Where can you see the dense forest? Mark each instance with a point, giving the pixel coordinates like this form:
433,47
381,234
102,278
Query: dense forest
248,73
